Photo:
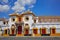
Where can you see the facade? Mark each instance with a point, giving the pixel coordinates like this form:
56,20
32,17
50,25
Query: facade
28,24
3,25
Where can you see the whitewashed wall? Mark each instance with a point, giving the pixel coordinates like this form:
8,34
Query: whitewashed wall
1,22
30,21
48,26
10,22
57,30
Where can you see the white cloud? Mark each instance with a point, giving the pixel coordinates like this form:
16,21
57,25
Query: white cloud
18,8
4,7
6,1
26,2
31,6
19,5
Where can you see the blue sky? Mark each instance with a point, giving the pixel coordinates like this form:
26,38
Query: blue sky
38,7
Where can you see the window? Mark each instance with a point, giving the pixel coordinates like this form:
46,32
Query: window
3,22
53,31
43,31
7,22
26,31
35,31
13,19
27,18
34,21
13,26
5,31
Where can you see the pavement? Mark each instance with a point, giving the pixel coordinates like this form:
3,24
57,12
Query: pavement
29,38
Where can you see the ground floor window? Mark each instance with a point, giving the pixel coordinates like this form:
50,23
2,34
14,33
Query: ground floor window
53,30
5,31
43,31
35,31
26,31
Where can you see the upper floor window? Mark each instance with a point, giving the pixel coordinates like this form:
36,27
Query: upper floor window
3,22
13,19
7,22
27,18
34,21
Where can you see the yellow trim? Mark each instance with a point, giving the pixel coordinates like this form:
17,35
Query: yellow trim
57,34
19,35
16,19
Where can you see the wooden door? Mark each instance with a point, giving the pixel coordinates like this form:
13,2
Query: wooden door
19,29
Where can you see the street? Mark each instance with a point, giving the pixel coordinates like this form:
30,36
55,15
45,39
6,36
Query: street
29,38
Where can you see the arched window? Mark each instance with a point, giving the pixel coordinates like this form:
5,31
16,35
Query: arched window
26,29
34,20
13,26
26,24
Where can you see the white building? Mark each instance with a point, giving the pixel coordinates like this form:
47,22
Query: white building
27,23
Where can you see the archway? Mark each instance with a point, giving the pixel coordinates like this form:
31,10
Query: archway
12,30
26,30
19,29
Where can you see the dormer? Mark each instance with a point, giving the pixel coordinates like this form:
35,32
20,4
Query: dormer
35,19
27,13
3,21
14,17
14,14
27,16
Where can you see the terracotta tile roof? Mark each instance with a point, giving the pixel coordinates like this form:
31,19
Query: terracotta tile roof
14,14
27,13
49,18
3,19
22,14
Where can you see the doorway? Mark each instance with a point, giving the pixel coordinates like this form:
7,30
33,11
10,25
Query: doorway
19,29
